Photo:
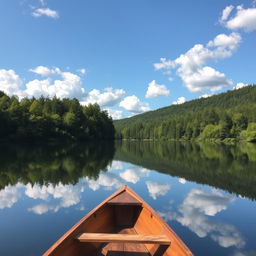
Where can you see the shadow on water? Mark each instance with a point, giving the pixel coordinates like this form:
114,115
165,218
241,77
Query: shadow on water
53,163
229,167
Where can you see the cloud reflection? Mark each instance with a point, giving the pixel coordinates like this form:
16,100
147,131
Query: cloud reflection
9,196
157,189
133,175
193,213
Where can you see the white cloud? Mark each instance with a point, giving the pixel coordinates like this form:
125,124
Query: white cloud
133,104
43,71
243,19
115,114
82,70
69,87
209,204
206,95
68,195
62,85
180,100
226,41
106,180
239,86
191,65
133,175
115,165
206,78
226,12
109,97
155,90
10,82
39,12
193,214
43,208
182,180
157,189
9,196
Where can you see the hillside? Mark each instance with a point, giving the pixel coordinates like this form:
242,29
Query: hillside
221,116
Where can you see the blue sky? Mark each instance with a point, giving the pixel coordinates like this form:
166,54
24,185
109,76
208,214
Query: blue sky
128,56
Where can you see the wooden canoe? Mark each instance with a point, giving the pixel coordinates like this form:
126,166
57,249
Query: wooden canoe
123,224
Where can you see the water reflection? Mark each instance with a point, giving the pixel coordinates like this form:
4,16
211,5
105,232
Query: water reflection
54,164
156,189
56,182
194,211
232,167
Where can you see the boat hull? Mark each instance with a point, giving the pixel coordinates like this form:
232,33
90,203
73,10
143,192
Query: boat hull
124,212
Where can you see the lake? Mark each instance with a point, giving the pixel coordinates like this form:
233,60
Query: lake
206,192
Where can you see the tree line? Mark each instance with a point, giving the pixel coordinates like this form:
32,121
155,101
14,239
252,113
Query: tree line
45,118
53,163
230,115
229,167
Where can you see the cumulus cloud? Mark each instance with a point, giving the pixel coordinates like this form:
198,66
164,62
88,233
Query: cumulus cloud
157,189
133,175
182,180
155,90
115,165
239,86
193,214
191,67
244,19
226,12
68,195
39,12
70,86
180,100
10,82
43,71
134,105
109,97
106,180
226,43
115,114
9,196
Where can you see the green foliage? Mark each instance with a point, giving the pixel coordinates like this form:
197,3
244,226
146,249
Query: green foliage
44,118
229,167
221,117
211,131
249,134
53,163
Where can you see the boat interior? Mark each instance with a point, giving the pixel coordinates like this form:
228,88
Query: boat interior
120,226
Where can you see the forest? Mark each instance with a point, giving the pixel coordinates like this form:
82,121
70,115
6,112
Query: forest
223,117
52,119
227,167
53,163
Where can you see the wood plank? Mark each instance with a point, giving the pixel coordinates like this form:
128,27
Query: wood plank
123,249
123,238
124,198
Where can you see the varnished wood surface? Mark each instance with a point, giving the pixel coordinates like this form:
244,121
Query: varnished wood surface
124,198
123,249
106,218
123,238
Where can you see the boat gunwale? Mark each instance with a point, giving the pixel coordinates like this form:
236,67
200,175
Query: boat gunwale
104,202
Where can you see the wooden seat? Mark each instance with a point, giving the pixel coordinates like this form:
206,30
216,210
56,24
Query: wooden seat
123,238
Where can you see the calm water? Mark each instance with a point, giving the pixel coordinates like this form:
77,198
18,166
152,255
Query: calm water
205,192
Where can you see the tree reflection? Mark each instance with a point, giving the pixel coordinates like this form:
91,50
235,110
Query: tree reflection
229,167
44,164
